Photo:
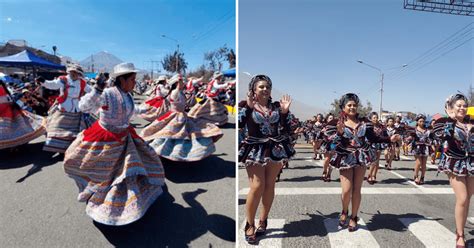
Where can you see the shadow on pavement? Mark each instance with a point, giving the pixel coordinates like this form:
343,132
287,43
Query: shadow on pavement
299,179
28,154
306,167
242,201
207,170
391,221
168,224
394,181
228,125
437,182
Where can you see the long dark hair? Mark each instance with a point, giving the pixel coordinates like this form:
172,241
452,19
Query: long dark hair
116,82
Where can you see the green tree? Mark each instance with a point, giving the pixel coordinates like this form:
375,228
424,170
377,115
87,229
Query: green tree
215,59
174,62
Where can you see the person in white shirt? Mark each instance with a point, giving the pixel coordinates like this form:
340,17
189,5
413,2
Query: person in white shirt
65,118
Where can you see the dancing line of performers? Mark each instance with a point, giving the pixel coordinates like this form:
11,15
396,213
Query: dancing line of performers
118,172
351,144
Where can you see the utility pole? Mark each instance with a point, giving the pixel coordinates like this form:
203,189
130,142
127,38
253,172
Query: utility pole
381,95
153,66
92,63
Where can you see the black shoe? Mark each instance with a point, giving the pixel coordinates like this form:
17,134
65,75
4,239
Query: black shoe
262,228
252,238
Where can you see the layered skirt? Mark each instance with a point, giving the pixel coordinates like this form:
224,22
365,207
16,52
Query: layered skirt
210,111
457,167
63,127
18,127
154,108
350,159
260,151
177,137
119,176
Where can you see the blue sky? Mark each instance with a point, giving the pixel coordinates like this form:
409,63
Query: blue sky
131,30
310,48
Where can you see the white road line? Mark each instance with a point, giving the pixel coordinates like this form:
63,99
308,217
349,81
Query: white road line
470,220
408,180
430,232
273,237
365,190
343,238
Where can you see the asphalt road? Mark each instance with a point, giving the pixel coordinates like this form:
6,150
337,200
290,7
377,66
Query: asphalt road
394,212
39,206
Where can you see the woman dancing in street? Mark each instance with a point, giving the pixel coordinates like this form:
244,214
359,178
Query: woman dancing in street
421,147
352,137
391,148
157,104
326,149
17,126
265,149
379,147
119,176
176,136
317,136
456,134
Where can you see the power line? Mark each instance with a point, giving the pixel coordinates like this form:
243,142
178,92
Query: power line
452,38
421,61
452,49
426,61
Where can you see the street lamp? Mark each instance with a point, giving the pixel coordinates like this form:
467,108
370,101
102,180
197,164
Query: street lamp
381,82
177,53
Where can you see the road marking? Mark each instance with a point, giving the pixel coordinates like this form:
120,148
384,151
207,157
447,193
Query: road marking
273,237
470,220
365,190
362,237
408,180
429,232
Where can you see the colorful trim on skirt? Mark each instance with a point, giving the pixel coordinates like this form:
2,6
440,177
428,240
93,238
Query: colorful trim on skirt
118,175
62,128
342,161
154,108
262,153
180,138
210,111
457,167
20,127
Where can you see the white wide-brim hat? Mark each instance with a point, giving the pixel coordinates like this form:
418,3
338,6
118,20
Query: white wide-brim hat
162,78
122,69
217,74
174,79
75,68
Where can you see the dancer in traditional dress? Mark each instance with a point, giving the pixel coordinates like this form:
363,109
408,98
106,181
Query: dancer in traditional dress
211,109
65,119
379,130
352,137
456,134
17,127
157,105
317,136
390,151
119,176
176,136
421,148
327,150
264,150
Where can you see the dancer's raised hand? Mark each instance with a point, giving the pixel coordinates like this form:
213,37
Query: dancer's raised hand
285,103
